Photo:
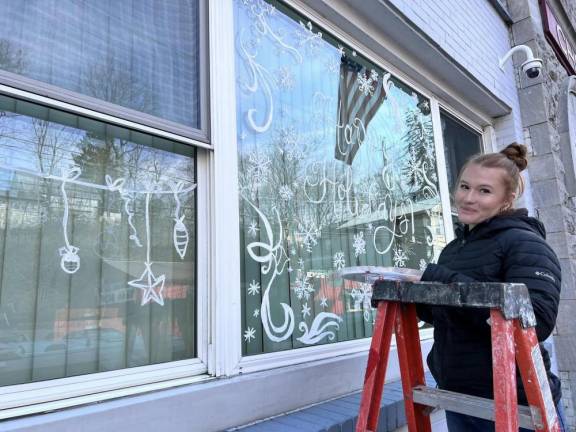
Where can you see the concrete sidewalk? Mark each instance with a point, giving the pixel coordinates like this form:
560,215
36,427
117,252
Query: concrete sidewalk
340,415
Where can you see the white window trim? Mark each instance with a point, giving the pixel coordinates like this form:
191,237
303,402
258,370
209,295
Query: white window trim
442,171
261,362
225,300
107,118
24,399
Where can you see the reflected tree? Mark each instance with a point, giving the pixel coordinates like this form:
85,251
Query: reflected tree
419,167
11,59
110,81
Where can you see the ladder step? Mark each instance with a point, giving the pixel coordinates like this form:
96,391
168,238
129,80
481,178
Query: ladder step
465,404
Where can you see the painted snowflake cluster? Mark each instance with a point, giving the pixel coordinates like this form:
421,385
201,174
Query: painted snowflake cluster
259,167
253,288
362,297
366,83
359,244
339,260
310,234
302,287
400,257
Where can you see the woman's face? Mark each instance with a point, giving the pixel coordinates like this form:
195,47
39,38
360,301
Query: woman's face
481,194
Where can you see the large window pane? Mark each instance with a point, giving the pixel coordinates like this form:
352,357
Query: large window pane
140,54
97,246
460,143
337,169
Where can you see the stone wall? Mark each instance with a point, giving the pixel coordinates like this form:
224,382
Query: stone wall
542,104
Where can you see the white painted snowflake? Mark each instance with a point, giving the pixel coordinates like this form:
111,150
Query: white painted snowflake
339,260
362,297
285,78
254,288
256,313
301,262
249,334
422,264
253,228
306,310
285,192
341,50
324,302
306,37
259,167
359,244
302,286
310,233
399,258
374,75
370,227
259,8
365,85
288,141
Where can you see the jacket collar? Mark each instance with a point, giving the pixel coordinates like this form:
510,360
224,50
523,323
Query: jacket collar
513,218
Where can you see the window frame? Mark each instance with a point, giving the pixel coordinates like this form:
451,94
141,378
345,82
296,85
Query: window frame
36,397
119,114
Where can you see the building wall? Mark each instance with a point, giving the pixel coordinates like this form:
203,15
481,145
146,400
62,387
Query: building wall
543,111
475,36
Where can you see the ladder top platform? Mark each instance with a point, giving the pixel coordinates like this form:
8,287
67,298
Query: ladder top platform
510,298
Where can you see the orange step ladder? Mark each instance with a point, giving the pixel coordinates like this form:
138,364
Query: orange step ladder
512,322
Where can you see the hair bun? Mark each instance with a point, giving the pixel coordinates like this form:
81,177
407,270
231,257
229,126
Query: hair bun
517,154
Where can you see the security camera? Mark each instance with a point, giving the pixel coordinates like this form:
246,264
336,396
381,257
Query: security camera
531,67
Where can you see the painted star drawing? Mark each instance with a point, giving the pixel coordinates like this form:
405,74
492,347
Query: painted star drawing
152,286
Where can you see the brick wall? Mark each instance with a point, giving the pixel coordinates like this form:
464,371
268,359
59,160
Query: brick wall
476,37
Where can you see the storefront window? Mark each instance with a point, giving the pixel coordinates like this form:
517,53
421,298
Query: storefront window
460,143
97,246
139,54
337,169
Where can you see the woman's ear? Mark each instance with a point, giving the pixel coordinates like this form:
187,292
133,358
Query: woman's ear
509,203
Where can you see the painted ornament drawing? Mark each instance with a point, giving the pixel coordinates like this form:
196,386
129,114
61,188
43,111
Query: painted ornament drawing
180,232
69,261
152,286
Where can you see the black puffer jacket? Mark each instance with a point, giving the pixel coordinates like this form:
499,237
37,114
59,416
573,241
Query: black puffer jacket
506,248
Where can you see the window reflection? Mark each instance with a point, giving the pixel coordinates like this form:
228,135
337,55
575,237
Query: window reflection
139,54
337,169
97,246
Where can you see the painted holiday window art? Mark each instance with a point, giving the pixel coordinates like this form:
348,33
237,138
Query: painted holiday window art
337,169
97,246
